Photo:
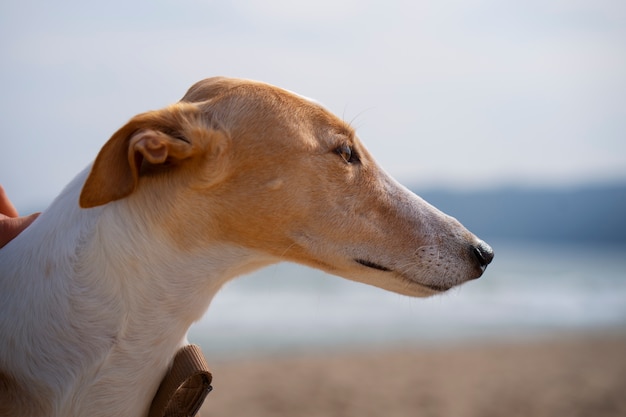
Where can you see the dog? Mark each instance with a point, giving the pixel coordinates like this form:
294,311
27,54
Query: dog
97,295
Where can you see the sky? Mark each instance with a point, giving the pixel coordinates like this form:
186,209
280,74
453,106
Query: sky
465,94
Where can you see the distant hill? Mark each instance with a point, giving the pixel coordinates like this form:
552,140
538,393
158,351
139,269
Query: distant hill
590,213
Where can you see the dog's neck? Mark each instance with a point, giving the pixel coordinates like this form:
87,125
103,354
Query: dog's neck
121,299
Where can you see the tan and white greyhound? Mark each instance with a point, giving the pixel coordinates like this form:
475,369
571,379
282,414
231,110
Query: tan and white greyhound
98,293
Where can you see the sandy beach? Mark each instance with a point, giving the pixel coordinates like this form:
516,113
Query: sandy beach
583,375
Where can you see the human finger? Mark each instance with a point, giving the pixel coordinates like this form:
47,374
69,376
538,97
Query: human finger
10,227
6,207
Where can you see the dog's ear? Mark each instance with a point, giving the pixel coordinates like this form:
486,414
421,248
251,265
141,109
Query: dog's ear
150,142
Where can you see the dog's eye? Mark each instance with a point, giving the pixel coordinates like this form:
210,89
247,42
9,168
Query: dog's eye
348,155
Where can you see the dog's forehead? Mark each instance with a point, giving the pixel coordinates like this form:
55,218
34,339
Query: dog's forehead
307,107
235,100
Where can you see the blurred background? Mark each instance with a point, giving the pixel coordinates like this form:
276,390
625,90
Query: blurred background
510,116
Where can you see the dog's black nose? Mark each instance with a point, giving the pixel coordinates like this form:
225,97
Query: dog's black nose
483,254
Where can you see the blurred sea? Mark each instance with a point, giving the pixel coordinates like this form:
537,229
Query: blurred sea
531,289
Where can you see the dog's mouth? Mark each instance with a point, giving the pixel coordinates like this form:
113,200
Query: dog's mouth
373,265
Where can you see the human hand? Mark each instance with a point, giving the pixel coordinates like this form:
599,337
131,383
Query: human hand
11,224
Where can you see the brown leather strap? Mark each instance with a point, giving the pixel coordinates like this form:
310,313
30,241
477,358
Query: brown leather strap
184,387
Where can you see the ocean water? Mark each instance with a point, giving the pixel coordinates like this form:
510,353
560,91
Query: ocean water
530,289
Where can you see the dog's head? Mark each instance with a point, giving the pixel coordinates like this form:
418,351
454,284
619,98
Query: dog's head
252,165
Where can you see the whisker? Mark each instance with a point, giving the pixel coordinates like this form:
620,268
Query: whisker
351,123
